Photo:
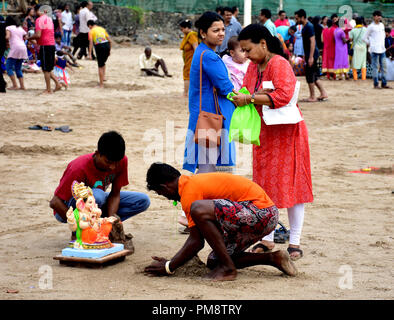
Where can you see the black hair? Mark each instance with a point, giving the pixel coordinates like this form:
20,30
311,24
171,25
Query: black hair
255,32
329,23
377,13
300,13
388,30
280,12
316,20
186,24
206,21
111,144
58,35
59,53
234,8
219,10
77,7
37,7
334,15
91,23
10,21
359,20
294,28
84,4
266,13
160,173
227,9
232,43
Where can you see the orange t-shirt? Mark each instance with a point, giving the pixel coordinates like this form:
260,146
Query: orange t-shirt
210,186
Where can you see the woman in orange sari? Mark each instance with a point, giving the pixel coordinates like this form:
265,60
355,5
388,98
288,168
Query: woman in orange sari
281,165
188,45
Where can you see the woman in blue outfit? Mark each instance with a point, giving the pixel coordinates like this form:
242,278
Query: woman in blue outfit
214,74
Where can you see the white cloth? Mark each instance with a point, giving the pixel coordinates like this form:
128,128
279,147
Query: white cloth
84,16
148,63
375,37
67,20
296,221
288,114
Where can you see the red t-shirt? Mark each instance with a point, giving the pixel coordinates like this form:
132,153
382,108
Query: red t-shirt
82,169
279,23
45,24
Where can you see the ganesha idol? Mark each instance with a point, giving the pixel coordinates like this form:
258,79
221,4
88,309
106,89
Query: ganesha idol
92,231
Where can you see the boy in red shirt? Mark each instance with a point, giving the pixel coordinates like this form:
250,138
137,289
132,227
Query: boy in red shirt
229,211
107,165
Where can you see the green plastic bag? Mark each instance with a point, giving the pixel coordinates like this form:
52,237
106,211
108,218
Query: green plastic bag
245,123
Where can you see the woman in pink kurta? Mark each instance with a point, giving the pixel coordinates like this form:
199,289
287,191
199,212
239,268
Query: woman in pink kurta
281,165
328,50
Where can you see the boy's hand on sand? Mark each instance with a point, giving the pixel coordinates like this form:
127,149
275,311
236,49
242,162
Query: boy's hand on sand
157,267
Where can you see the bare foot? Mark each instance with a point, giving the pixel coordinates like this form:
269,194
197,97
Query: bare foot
46,92
281,260
58,88
22,88
221,273
12,88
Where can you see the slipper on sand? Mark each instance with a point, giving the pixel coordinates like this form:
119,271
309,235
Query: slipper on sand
64,129
323,99
260,246
38,127
291,250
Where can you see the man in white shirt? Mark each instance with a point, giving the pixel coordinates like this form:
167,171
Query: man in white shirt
85,15
374,37
67,21
150,62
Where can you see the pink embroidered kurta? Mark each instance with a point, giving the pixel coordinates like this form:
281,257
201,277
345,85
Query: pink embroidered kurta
281,164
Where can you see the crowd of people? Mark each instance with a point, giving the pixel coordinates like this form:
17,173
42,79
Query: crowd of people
42,41
230,212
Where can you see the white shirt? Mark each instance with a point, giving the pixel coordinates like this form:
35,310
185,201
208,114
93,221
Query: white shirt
374,37
148,63
84,16
67,20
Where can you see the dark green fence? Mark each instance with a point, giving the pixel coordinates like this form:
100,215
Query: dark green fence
312,7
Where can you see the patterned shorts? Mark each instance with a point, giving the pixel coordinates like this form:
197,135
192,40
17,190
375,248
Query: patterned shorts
243,224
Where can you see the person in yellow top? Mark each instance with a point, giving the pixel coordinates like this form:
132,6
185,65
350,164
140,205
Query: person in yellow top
99,38
230,212
188,45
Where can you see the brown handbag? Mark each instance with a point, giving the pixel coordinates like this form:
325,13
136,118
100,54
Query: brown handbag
209,125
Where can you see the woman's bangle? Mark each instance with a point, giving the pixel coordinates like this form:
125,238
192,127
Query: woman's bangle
168,267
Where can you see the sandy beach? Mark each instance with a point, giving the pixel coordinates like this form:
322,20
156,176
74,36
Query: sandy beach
348,230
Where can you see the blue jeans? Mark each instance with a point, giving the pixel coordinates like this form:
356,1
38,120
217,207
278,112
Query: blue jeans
14,65
66,39
378,58
130,204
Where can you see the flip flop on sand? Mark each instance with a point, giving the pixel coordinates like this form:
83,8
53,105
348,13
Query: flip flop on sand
64,129
260,246
38,127
322,98
291,250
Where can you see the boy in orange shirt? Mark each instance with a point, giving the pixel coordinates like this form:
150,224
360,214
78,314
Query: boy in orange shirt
229,211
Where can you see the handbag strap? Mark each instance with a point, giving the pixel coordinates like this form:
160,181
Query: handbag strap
215,95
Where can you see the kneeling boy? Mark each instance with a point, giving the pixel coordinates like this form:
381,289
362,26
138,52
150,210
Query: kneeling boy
229,211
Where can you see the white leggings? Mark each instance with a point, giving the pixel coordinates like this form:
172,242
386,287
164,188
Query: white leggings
296,221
